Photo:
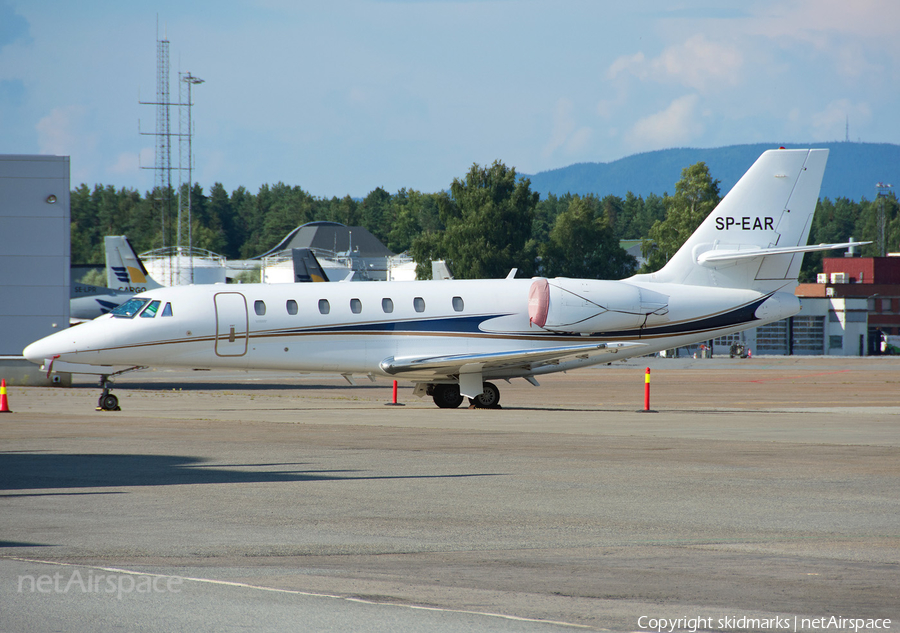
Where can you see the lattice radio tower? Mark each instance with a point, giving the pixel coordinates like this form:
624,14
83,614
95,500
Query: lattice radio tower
164,193
163,134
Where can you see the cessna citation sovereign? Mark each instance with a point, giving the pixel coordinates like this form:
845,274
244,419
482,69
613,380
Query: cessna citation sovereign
450,337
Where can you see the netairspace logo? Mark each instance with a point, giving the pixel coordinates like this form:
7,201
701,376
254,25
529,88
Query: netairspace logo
119,585
692,625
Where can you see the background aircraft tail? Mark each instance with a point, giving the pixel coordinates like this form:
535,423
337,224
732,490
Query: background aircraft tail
124,269
756,236
307,267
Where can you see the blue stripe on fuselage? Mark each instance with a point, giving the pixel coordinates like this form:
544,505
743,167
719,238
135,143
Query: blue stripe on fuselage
457,325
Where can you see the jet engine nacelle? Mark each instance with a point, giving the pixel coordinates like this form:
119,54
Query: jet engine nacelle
586,305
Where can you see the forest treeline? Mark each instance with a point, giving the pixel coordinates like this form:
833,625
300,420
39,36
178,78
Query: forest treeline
487,223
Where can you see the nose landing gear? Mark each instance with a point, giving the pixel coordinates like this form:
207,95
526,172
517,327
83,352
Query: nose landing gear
107,402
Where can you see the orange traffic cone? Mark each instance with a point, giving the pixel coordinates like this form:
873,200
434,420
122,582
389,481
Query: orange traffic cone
4,405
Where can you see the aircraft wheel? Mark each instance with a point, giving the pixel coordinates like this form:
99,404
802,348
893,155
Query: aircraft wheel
489,398
109,402
447,396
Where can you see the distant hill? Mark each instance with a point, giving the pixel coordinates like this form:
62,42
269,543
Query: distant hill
852,171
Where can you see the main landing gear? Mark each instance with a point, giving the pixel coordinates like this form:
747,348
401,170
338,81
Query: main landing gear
447,396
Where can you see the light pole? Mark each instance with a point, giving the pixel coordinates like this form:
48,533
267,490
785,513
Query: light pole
189,81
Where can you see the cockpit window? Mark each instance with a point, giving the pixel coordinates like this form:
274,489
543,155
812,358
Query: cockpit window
167,311
131,307
151,310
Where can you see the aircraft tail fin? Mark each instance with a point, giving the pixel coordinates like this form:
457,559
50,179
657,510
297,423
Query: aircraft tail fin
307,267
440,270
756,236
124,269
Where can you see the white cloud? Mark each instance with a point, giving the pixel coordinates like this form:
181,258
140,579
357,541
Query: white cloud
830,124
126,163
566,135
676,125
632,64
858,38
698,63
58,131
63,133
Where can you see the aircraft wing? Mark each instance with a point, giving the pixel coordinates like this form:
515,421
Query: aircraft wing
526,358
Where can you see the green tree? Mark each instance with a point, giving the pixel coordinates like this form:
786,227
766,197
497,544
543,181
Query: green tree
375,213
83,228
344,210
545,214
614,209
248,221
832,222
405,211
285,209
582,244
696,195
220,207
488,218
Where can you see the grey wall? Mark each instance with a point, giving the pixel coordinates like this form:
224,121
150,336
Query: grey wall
34,249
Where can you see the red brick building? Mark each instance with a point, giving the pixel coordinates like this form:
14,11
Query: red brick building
877,279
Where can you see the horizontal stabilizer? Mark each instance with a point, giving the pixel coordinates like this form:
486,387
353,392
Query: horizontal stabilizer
714,256
451,364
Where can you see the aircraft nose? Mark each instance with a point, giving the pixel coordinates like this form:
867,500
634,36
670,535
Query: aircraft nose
47,347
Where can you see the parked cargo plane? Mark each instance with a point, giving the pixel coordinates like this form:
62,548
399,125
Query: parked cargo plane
450,337
125,277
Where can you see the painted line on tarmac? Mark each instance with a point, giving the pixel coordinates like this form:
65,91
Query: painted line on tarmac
296,592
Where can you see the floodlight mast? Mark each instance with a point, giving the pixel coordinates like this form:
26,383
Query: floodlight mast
186,137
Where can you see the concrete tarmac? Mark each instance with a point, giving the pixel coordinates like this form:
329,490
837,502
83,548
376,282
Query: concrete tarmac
764,489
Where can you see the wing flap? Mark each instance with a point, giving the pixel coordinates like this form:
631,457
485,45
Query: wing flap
455,363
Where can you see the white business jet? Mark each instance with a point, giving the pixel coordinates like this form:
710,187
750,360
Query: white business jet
451,337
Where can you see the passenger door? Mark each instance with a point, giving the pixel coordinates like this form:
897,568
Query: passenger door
231,324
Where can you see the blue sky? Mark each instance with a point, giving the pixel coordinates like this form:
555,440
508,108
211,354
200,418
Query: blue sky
345,96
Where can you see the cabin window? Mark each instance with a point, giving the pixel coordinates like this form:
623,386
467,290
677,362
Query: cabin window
151,310
260,308
458,304
355,306
324,308
387,305
292,307
419,304
131,307
167,311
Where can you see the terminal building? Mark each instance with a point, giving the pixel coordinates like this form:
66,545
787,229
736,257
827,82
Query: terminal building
853,305
871,285
34,258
